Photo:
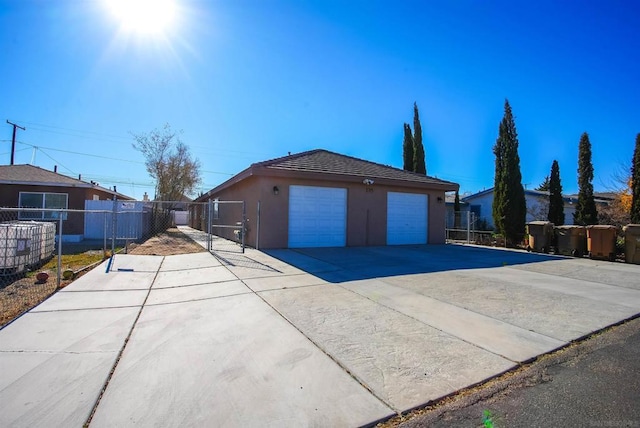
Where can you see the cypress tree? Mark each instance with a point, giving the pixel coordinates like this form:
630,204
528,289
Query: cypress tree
419,164
635,183
586,212
556,203
456,211
509,204
498,208
407,149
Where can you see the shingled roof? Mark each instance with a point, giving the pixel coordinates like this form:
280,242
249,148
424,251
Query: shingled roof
326,162
334,165
31,175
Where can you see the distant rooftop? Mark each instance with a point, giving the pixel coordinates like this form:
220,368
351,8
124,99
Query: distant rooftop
36,176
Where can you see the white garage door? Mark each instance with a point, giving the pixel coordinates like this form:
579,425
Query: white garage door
406,218
317,217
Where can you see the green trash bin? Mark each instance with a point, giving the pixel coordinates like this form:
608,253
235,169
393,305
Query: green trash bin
632,243
601,242
540,236
572,240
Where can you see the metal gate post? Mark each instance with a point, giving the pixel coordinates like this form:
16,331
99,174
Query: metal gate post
474,235
59,248
209,213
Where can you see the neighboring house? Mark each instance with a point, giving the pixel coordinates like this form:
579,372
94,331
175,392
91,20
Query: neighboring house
481,204
324,199
30,186
450,201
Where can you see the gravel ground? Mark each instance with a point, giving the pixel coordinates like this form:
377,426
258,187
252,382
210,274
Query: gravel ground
21,295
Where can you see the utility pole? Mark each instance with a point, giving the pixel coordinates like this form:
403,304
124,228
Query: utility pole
13,140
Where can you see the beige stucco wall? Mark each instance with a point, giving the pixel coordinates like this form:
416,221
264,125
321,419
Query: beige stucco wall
366,210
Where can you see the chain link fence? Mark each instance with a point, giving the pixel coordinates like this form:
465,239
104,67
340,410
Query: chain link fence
43,250
465,226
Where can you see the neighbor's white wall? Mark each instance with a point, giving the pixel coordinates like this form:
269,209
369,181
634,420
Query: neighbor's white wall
537,208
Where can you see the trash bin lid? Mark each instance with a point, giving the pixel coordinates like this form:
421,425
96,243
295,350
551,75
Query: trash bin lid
632,228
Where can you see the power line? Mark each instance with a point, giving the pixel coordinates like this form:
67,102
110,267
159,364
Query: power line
58,163
73,132
79,153
109,137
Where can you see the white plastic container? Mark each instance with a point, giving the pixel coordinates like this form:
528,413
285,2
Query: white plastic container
24,244
14,247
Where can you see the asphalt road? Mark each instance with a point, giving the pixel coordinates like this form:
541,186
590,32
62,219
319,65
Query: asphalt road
593,383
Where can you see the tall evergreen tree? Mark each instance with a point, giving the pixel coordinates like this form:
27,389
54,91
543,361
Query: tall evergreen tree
419,164
407,149
456,211
586,212
635,183
556,203
509,204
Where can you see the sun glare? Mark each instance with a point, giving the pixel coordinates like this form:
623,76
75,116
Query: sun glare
144,16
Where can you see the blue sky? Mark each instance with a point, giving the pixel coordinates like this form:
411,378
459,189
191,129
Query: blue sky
250,80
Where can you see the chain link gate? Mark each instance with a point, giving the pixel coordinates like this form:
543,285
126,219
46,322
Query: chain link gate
227,226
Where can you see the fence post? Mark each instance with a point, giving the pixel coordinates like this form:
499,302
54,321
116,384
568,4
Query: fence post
258,228
59,248
209,213
468,227
104,235
113,225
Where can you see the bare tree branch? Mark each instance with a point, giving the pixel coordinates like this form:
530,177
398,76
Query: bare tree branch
169,163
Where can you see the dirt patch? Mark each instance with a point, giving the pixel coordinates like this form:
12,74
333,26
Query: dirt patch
168,243
22,295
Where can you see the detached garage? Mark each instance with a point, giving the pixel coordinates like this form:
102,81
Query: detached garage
324,199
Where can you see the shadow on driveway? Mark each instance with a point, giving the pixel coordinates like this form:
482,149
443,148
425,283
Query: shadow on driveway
337,265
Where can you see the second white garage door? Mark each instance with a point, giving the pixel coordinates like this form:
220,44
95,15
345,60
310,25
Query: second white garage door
317,217
406,218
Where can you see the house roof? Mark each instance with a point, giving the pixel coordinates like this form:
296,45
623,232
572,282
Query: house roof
602,198
30,175
328,164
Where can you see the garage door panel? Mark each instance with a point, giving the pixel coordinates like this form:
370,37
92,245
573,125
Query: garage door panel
407,217
317,216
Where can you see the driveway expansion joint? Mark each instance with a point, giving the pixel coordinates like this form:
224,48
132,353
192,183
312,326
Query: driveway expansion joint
121,351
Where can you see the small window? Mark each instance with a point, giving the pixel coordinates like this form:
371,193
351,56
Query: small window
42,200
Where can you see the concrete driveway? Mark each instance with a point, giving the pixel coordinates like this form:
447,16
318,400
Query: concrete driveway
317,337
